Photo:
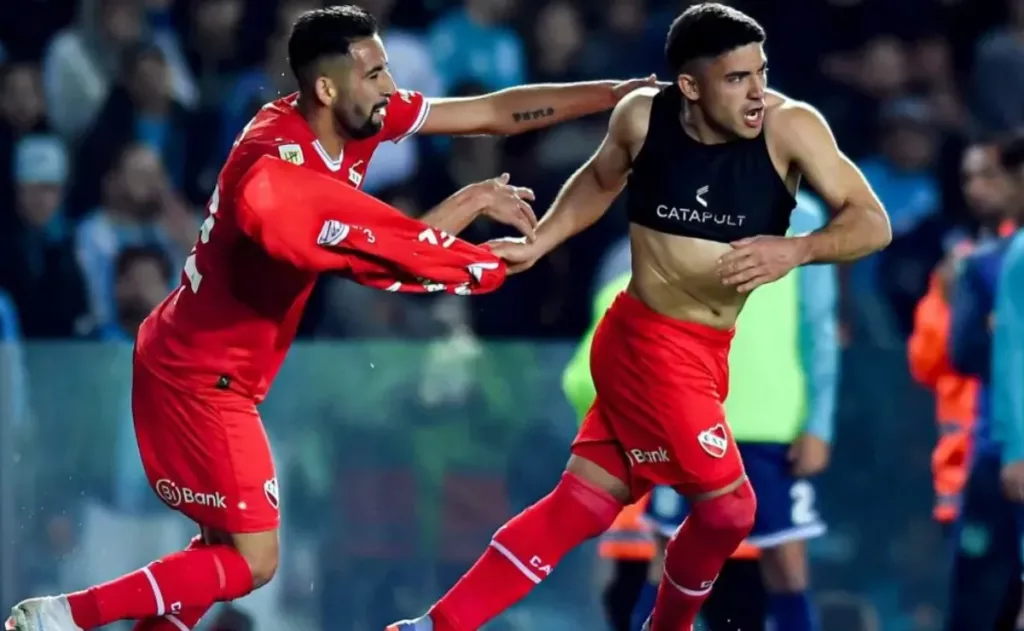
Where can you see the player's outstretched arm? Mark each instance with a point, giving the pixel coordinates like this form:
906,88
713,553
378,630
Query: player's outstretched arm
494,198
588,193
525,108
860,224
318,224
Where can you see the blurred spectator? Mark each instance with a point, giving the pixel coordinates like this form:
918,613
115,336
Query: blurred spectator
22,111
37,263
140,109
412,68
998,94
933,73
877,73
629,43
137,210
471,43
83,60
257,86
559,40
143,278
214,48
900,174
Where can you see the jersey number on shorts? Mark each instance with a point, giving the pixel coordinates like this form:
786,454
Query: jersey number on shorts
802,494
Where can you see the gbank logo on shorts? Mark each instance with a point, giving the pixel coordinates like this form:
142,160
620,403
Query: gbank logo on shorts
176,496
714,440
641,456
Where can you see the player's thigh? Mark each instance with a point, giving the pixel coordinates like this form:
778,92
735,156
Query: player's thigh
209,461
787,507
598,458
675,434
985,565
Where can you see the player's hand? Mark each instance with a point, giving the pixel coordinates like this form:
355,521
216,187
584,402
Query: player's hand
506,204
1012,478
518,254
620,90
760,260
808,455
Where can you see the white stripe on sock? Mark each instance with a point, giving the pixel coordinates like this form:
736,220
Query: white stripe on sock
159,597
505,552
688,592
176,621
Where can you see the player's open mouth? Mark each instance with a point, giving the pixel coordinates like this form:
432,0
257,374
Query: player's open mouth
753,118
380,109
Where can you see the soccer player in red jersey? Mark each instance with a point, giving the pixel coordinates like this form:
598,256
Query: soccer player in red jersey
207,355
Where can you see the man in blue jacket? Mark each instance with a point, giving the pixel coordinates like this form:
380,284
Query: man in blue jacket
1007,371
985,590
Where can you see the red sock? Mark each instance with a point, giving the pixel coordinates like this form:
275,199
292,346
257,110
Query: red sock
524,551
186,619
190,579
696,554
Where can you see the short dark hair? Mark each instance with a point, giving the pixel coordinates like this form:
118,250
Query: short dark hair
708,30
326,32
1011,152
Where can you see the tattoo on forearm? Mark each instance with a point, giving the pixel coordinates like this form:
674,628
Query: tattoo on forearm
532,115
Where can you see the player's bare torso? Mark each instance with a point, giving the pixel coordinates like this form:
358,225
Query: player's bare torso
676,275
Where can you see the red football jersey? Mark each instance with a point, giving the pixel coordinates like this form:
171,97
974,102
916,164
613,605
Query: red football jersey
235,315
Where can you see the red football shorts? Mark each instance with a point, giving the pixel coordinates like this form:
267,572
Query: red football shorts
658,416
205,454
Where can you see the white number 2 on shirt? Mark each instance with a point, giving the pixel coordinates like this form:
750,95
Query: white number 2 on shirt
195,278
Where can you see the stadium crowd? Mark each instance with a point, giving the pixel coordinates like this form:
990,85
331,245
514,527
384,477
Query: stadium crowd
116,115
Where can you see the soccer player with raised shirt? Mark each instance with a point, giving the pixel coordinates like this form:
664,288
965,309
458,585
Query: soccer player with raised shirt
207,355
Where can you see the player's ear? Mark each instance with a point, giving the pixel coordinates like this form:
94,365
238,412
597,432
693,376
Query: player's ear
325,90
688,86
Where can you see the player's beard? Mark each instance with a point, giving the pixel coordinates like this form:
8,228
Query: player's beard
359,127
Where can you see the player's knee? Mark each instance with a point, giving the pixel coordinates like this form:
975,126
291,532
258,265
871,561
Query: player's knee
261,552
263,566
729,513
576,493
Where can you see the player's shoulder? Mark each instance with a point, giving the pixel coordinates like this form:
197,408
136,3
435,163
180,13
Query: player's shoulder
794,124
783,113
276,129
631,116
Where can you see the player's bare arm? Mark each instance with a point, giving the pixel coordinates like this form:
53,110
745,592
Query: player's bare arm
494,198
859,226
525,108
588,193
